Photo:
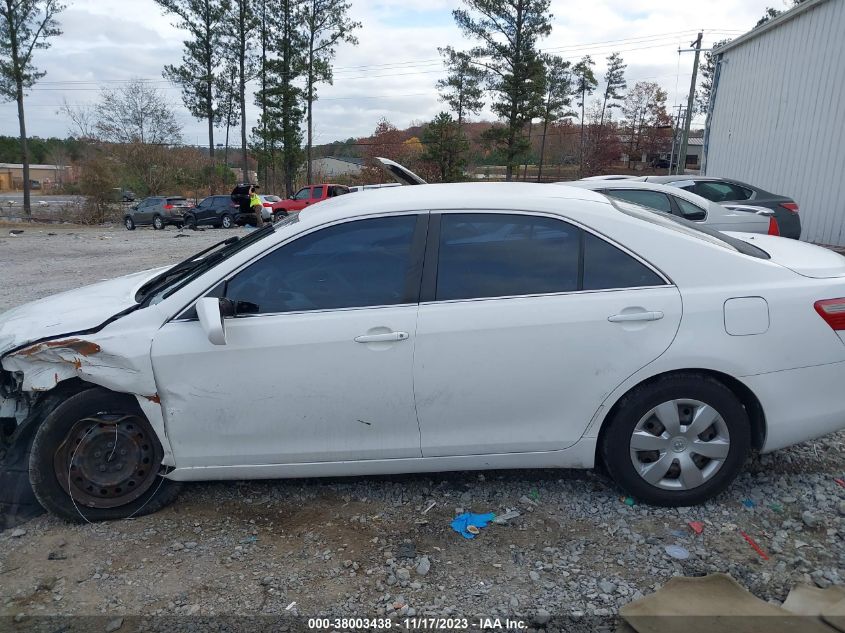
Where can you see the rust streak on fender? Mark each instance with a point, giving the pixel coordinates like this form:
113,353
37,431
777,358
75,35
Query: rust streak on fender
153,398
84,348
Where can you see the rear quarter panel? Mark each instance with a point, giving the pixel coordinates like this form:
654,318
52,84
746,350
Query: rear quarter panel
707,276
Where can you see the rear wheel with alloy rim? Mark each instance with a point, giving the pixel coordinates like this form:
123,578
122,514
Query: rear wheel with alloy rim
158,223
96,457
226,221
677,441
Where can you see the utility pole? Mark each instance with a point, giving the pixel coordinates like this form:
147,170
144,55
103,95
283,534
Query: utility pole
676,127
682,155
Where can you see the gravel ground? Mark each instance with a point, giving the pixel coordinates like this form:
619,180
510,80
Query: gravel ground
383,545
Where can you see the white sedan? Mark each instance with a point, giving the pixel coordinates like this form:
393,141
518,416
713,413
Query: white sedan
444,327
685,204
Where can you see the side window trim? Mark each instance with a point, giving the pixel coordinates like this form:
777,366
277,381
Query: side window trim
432,253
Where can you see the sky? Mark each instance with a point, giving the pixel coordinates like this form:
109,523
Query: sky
391,73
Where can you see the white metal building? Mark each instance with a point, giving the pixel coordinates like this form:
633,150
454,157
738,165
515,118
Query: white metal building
777,114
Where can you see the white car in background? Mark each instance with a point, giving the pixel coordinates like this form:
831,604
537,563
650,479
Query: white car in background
446,327
684,204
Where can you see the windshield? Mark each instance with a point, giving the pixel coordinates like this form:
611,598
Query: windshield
689,228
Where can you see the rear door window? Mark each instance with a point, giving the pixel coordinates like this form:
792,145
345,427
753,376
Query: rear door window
505,255
501,255
317,193
607,267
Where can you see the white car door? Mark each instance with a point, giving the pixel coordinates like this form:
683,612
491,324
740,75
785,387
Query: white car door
520,336
317,364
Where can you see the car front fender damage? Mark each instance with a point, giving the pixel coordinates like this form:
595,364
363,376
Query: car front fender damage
117,363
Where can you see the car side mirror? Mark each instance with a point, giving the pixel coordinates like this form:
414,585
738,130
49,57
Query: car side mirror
211,312
695,217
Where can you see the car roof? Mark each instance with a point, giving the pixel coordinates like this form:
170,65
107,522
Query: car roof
491,196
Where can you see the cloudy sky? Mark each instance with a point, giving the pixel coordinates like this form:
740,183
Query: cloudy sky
391,73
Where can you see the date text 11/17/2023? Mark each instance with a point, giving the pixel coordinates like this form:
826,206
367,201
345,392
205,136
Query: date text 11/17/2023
417,624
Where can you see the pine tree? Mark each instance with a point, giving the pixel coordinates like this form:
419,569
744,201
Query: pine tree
614,82
462,88
509,32
585,85
326,24
445,147
556,105
204,20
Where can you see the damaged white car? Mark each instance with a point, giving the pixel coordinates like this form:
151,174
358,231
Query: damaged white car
443,327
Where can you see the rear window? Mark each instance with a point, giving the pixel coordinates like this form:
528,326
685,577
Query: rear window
177,200
691,229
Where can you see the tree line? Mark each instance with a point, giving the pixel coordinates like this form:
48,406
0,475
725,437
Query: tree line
533,93
287,48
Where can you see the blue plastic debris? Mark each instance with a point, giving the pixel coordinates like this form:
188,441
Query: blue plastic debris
461,522
749,503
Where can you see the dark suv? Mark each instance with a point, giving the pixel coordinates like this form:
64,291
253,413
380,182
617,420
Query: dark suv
218,211
158,211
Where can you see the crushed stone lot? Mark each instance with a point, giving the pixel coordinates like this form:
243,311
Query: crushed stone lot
383,545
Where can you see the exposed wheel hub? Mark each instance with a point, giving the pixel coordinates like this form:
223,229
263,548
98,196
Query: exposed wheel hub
108,460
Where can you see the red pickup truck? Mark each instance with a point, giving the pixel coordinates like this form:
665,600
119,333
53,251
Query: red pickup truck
307,196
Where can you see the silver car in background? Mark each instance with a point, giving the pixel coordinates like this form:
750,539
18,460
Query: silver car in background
684,204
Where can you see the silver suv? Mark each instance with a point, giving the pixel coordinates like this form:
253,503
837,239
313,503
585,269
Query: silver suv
158,211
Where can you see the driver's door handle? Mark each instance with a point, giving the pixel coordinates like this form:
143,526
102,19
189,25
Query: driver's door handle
381,338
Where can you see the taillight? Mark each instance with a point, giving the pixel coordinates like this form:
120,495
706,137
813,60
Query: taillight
268,204
790,206
773,227
168,207
832,311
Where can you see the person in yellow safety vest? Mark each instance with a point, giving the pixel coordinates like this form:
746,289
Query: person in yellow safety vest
256,205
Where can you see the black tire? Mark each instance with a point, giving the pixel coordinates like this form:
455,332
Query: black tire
54,440
278,215
129,223
226,221
17,501
190,222
158,223
616,440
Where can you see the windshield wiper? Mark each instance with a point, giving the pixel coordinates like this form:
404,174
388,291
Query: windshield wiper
184,265
193,267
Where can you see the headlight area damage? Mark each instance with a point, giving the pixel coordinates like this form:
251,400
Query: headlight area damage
36,377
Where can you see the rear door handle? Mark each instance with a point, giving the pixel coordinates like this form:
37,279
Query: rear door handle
381,338
635,316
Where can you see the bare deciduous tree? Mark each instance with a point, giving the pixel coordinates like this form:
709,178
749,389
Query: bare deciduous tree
136,113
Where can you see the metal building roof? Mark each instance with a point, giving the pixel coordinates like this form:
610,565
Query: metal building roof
768,26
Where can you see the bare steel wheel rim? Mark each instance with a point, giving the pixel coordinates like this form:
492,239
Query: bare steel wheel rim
107,460
680,444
